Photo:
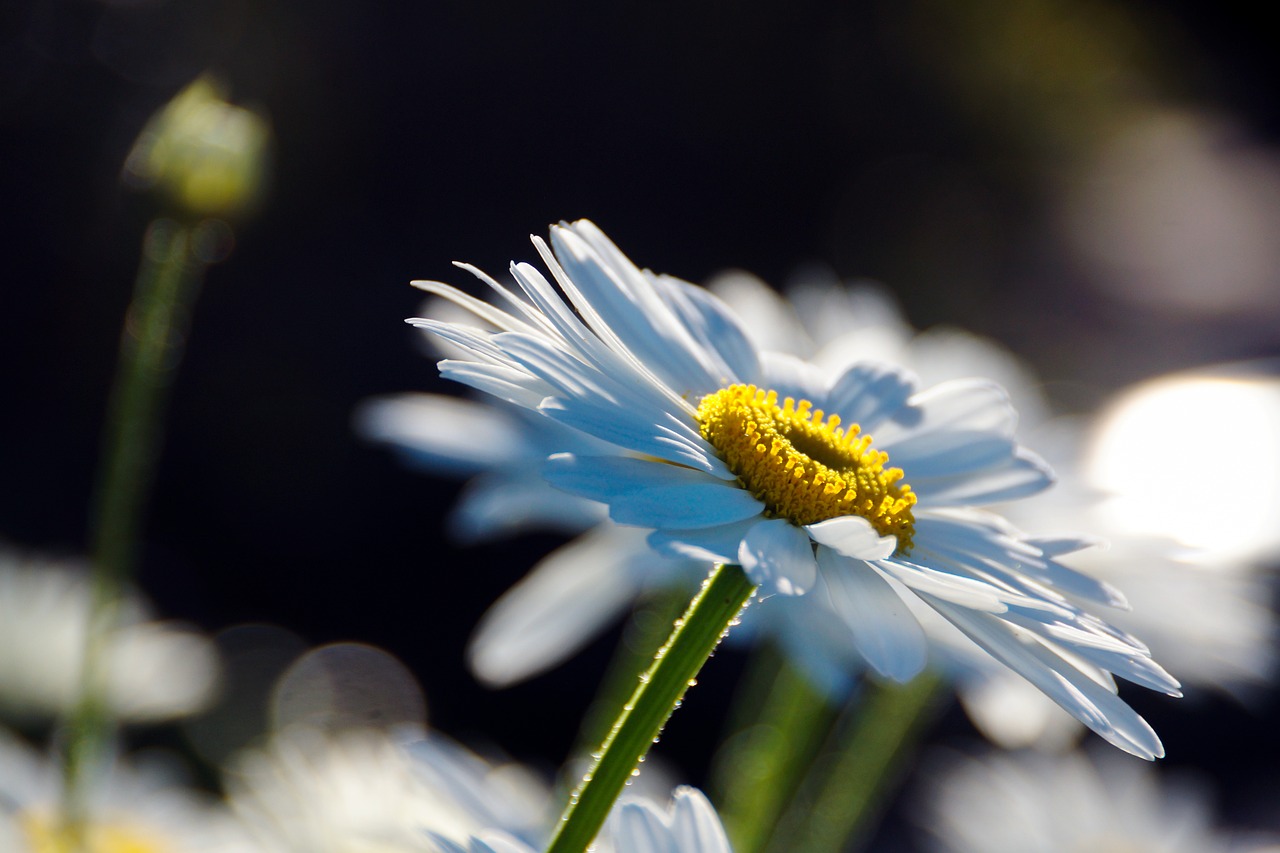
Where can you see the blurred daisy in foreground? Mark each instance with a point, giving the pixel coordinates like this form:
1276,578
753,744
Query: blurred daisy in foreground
347,765
146,808
687,824
155,671
368,791
1035,803
736,456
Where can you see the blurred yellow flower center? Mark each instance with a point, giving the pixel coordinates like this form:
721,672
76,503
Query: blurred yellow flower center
46,834
803,467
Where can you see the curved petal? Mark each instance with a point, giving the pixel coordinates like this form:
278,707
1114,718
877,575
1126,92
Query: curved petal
714,326
853,536
1015,473
713,544
445,434
1096,705
792,377
695,824
568,598
689,506
869,393
636,827
778,555
652,494
1013,714
942,416
503,504
625,302
936,580
883,628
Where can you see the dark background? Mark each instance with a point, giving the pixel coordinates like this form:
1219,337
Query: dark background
906,142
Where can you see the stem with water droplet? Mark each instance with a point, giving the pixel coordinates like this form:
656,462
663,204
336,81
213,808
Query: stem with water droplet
661,687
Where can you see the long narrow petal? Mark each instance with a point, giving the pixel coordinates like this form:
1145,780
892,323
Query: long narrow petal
554,611
778,555
883,627
868,394
713,544
1086,700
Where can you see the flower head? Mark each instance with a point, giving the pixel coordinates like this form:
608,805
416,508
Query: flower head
733,455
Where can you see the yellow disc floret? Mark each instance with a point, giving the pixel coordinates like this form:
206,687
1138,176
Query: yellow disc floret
803,467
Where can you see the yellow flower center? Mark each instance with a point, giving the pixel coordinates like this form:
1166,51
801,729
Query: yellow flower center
803,467
46,834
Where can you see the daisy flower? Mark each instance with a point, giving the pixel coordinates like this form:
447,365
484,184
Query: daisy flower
142,807
1030,802
735,456
155,670
686,824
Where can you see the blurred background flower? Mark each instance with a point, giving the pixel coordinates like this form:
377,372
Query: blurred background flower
1036,803
155,671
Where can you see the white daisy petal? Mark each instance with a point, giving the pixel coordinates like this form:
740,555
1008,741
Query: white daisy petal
631,433
627,303
505,503
713,544
444,432
883,628
852,536
971,540
700,505
502,382
963,591
777,553
564,601
714,328
868,393
1016,474
1092,704
792,377
695,824
609,478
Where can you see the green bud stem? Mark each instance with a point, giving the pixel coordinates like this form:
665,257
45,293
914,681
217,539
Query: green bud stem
150,346
661,688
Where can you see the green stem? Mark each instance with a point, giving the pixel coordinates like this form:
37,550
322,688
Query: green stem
648,626
661,688
851,785
782,720
150,346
